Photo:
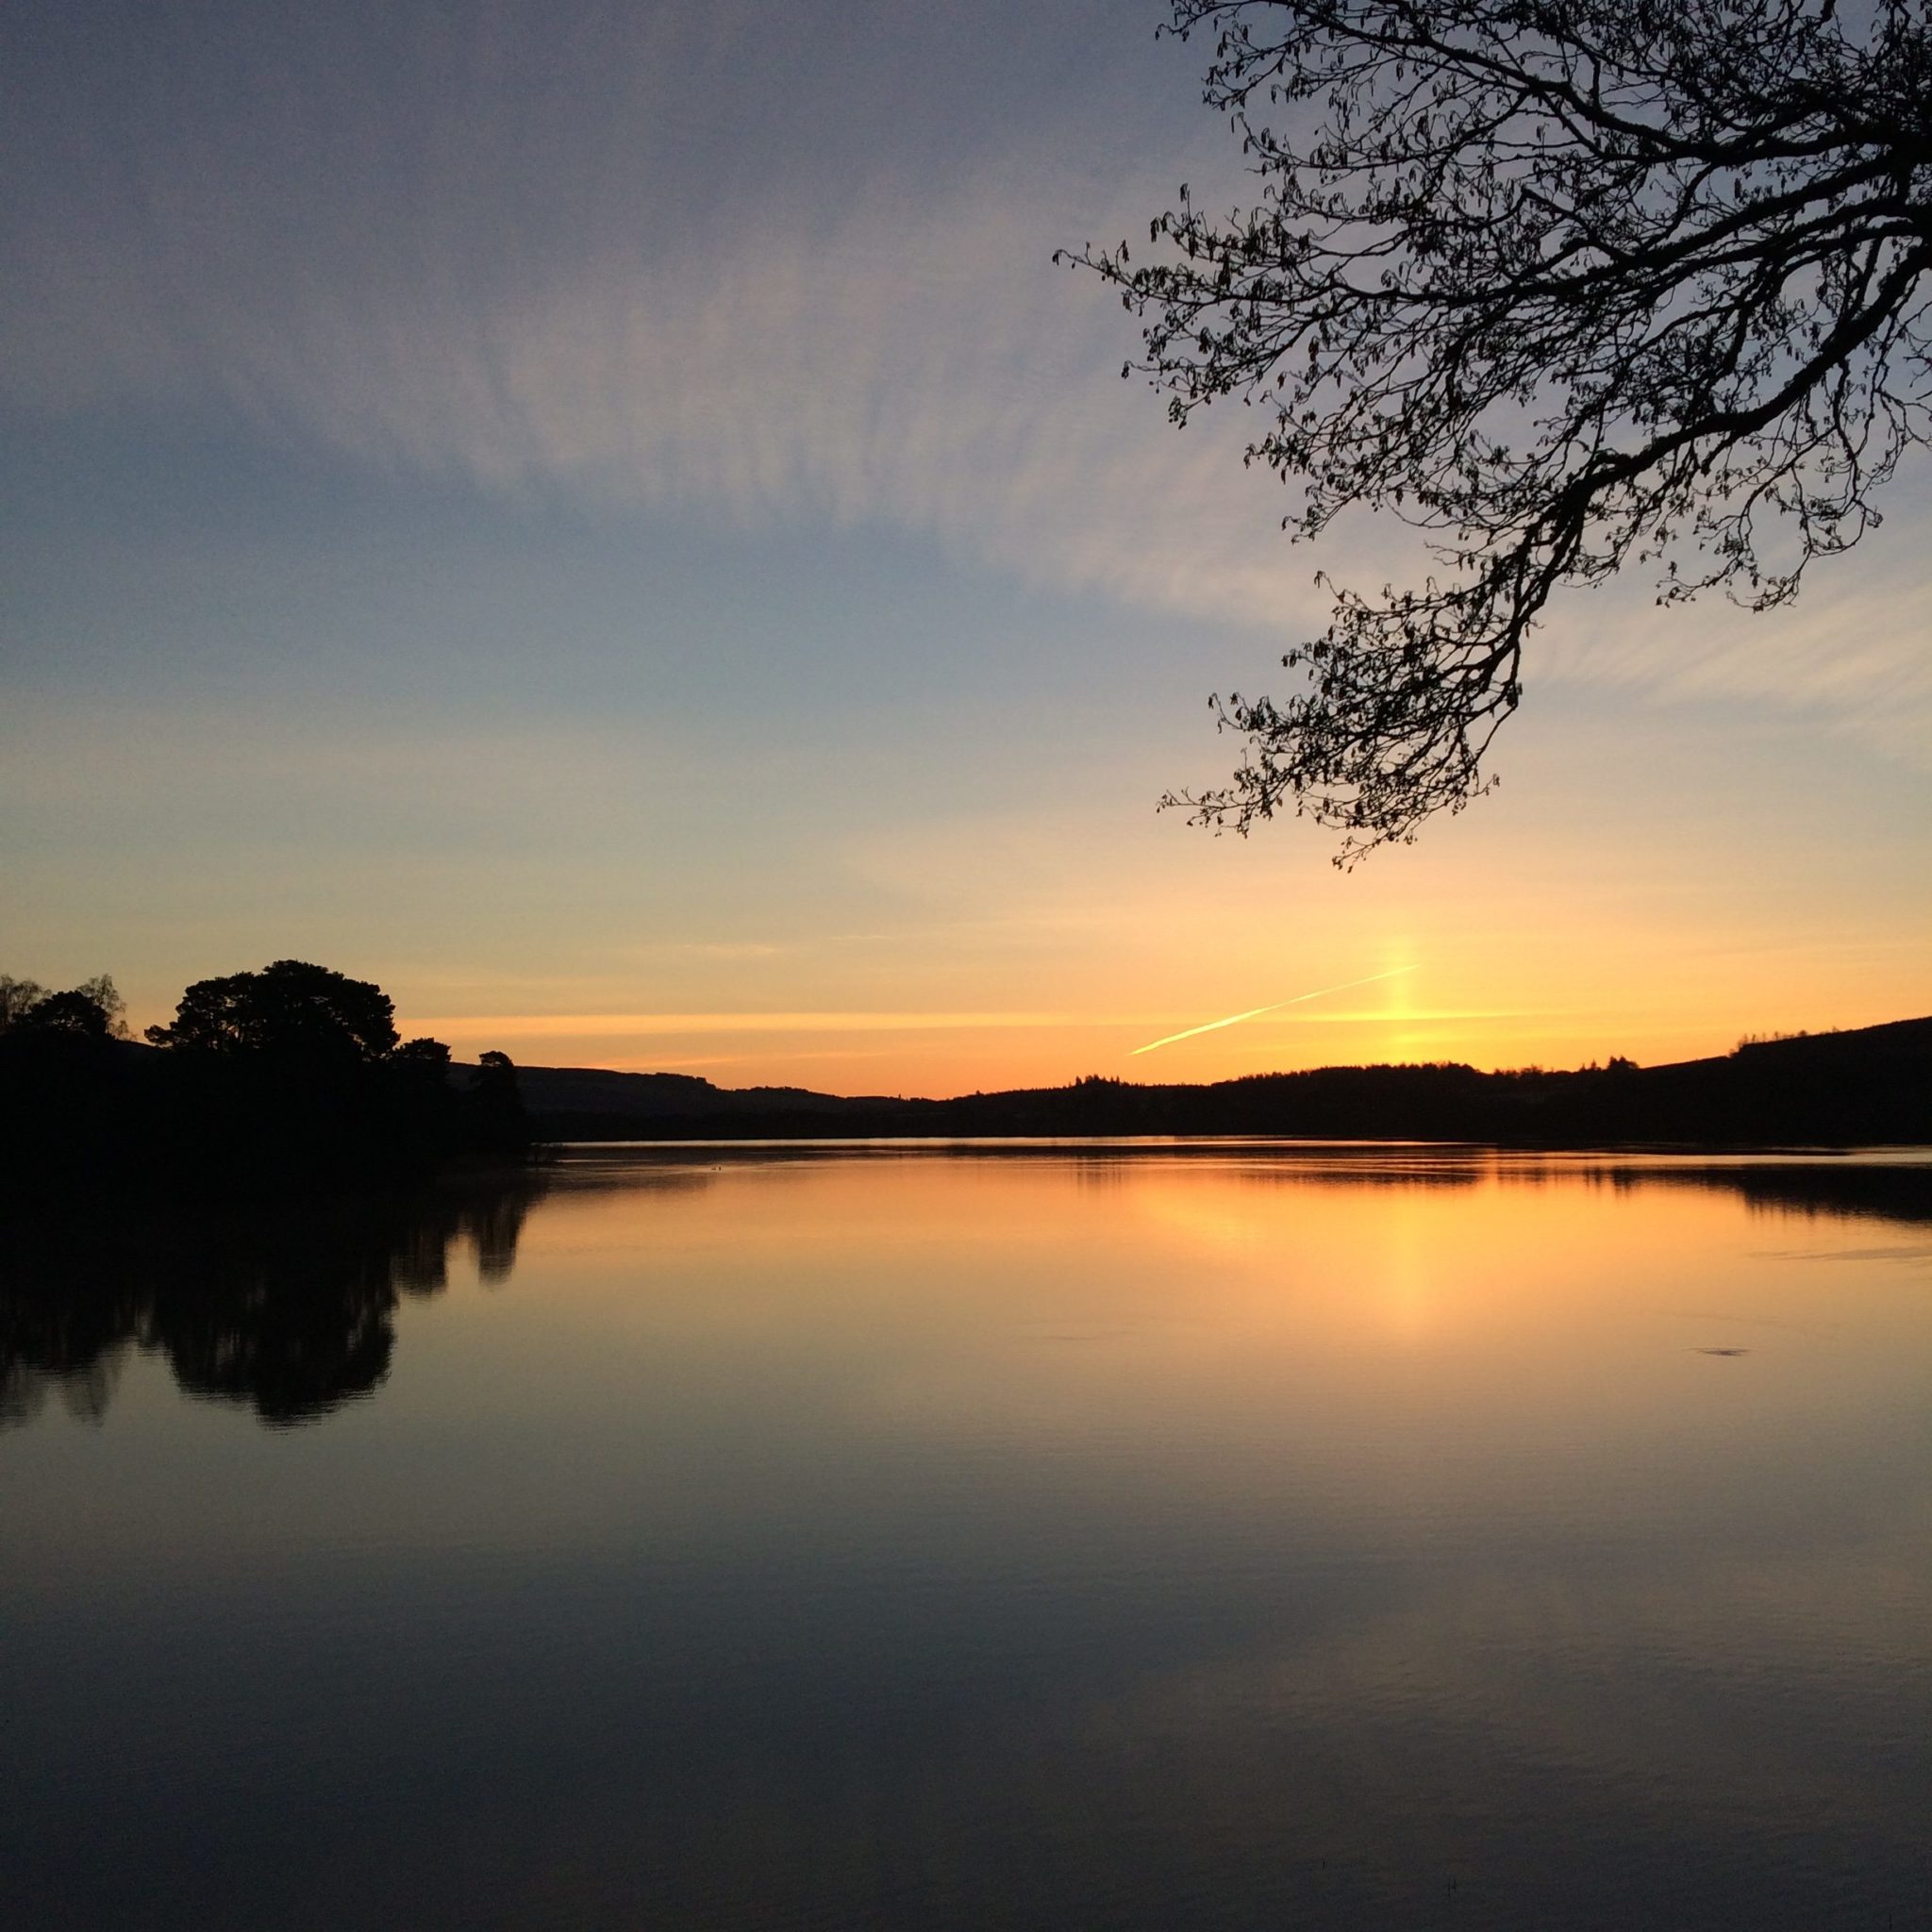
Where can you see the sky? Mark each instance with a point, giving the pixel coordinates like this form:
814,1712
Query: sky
608,520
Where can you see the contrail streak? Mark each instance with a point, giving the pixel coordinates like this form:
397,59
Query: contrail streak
1255,1012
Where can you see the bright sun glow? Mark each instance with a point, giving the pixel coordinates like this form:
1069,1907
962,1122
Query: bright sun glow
1255,1012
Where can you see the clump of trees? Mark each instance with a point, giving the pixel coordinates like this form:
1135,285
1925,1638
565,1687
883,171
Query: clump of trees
92,1011
290,1011
289,1073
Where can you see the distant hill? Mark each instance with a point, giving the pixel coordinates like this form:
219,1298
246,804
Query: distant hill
1870,1084
594,1092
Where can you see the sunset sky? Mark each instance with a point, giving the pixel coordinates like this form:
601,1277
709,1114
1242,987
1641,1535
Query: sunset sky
607,521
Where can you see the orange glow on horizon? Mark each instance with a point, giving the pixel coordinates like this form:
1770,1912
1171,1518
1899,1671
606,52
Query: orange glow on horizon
939,1055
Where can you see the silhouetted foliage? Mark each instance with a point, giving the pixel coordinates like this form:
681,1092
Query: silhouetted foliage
17,997
1563,286
71,1013
102,991
290,1011
92,1008
289,1074
496,1102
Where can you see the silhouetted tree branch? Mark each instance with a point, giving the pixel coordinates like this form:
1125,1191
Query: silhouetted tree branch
1565,285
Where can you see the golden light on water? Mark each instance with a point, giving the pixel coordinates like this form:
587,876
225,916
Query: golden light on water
1386,1295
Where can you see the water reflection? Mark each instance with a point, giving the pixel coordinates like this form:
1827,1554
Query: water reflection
285,1307
1844,1190
1218,1537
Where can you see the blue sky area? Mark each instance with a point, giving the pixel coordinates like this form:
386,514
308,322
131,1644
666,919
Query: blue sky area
608,520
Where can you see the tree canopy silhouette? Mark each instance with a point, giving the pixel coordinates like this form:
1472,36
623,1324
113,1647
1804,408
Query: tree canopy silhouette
92,1011
72,1014
289,1010
1565,284
284,1076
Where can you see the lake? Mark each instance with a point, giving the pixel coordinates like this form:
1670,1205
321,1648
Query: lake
1233,1536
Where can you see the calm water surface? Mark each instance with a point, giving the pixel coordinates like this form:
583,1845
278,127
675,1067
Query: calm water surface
1089,1537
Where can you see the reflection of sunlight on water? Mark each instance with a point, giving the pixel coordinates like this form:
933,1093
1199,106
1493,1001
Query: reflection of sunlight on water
1067,1298
798,1517
1220,1219
1407,1287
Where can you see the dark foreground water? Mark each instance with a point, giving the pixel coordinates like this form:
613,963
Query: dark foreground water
1104,1537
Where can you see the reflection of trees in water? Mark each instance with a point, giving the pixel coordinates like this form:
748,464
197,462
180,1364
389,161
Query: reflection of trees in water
285,1306
1835,1190
289,1308
1824,1188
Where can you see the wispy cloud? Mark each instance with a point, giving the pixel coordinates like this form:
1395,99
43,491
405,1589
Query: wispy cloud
1850,654
540,272
539,1025
924,368
596,311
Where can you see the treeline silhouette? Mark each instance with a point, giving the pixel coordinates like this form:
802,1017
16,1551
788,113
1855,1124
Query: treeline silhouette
1866,1087
291,1074
283,1305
